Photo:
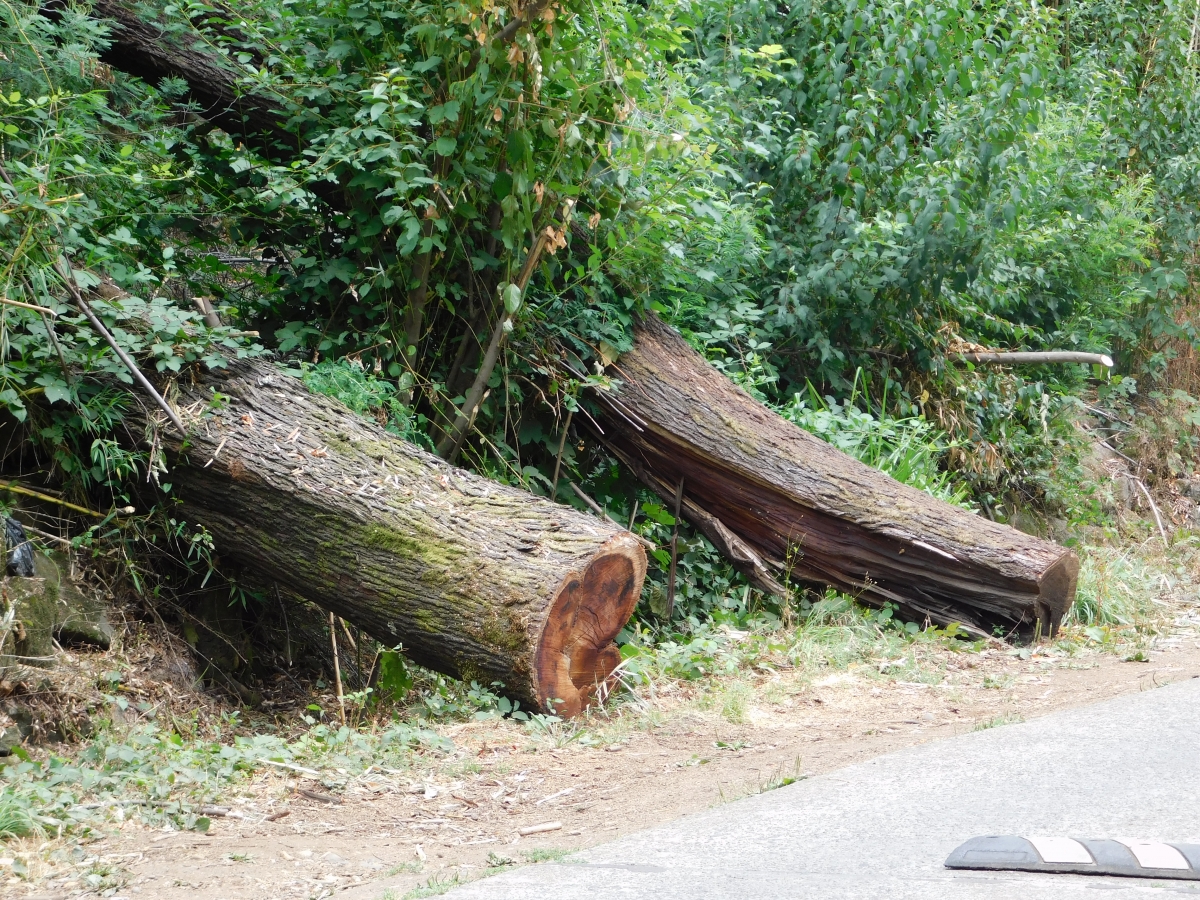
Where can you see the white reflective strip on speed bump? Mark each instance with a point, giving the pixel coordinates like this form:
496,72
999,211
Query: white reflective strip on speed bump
1061,850
1151,855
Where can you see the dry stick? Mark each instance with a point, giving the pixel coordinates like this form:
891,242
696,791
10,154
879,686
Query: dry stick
558,459
595,507
64,272
211,318
449,445
349,636
41,309
1107,446
47,535
1107,415
674,554
1153,509
16,488
337,669
290,767
62,360
1005,357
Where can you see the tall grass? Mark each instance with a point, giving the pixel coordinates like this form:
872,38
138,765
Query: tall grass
1115,588
16,819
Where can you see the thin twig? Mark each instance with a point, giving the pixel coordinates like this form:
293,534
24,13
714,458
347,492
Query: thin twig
449,445
47,535
1154,509
558,459
44,310
64,272
595,507
337,669
1107,415
291,767
16,488
674,553
349,636
1107,446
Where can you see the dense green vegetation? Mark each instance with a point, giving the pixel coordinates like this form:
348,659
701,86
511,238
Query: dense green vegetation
830,199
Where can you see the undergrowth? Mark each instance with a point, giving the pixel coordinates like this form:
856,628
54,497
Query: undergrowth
154,771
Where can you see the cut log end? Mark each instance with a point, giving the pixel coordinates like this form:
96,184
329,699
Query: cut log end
576,654
1057,591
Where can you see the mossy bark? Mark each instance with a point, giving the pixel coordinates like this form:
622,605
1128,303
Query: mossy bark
804,509
473,578
45,608
29,638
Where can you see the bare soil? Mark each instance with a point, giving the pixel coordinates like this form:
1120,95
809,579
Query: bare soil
460,815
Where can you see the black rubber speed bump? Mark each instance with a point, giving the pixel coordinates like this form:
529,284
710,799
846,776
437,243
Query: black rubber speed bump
1131,859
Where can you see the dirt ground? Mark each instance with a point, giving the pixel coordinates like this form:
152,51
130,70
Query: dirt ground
396,835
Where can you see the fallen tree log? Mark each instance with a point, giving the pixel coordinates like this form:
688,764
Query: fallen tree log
475,579
140,46
779,502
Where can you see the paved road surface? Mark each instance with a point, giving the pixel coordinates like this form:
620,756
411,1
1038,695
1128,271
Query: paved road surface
1125,768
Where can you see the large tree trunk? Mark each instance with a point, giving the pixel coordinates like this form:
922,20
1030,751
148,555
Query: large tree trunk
475,579
780,502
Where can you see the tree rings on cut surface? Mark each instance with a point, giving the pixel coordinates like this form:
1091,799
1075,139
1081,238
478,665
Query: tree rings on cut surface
576,653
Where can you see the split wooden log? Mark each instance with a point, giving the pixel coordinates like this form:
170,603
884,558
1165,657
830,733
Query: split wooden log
779,502
475,579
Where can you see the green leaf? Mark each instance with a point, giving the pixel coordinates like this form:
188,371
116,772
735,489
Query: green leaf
512,296
502,186
394,676
445,146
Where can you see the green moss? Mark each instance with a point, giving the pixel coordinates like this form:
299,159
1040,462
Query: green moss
433,554
35,602
506,635
428,622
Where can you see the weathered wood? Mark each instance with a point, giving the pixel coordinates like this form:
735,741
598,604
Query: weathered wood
473,578
1037,357
798,507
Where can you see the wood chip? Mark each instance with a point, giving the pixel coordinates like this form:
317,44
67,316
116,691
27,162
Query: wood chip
220,811
554,795
220,447
320,798
540,829
292,767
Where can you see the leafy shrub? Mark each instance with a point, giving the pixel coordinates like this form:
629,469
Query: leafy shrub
366,394
909,449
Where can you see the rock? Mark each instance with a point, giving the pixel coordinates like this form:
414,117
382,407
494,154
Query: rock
30,639
9,738
46,607
80,619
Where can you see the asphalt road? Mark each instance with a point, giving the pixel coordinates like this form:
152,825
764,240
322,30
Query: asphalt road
1126,768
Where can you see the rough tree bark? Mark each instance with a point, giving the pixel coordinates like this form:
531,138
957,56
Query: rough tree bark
143,48
475,579
780,502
